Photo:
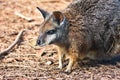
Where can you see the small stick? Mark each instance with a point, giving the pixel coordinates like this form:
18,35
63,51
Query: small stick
24,17
91,78
5,52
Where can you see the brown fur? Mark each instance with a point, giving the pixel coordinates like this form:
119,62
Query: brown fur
90,30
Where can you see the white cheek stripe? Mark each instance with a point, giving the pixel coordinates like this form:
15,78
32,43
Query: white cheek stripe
50,38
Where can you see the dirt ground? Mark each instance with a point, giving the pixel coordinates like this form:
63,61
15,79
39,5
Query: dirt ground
24,61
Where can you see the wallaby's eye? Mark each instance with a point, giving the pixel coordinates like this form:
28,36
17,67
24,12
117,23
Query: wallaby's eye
51,31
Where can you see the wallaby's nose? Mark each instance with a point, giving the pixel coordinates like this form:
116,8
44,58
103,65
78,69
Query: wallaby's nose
39,42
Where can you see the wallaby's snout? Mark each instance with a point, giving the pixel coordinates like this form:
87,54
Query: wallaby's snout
40,41
47,38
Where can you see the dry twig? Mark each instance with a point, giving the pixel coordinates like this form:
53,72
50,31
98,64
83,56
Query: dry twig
24,17
5,52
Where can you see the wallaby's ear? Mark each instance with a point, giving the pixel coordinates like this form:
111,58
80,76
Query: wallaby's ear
43,12
58,17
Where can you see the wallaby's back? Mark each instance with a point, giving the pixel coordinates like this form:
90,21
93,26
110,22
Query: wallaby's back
101,18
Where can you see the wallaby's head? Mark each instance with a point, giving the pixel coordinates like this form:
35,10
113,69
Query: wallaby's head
52,29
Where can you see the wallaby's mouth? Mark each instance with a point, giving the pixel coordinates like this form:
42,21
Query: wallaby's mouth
43,44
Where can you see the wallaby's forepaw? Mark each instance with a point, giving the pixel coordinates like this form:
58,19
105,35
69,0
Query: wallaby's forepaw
67,72
57,68
60,66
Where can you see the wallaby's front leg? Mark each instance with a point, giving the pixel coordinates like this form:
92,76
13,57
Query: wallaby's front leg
61,53
72,61
61,58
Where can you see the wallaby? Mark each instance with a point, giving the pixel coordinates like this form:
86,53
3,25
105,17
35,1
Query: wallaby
86,28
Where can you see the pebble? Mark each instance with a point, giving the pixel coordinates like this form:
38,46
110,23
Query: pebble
49,62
